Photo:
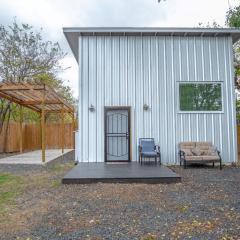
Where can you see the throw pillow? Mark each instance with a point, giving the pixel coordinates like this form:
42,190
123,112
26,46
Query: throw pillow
187,152
197,152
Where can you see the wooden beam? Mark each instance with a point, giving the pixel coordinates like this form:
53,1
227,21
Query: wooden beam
64,102
62,130
43,130
21,129
10,91
58,111
25,103
19,88
18,101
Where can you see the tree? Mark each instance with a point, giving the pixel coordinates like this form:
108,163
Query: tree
233,17
233,20
25,56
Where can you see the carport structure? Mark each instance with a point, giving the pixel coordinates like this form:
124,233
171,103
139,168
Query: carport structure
40,98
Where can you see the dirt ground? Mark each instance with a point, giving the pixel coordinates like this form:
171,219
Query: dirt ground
35,205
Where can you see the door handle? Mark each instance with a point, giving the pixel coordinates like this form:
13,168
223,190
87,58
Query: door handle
127,135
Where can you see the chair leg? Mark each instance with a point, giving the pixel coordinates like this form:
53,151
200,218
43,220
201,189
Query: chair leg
220,164
213,164
185,164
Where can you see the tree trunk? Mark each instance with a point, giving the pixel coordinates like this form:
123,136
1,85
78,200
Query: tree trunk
5,108
6,131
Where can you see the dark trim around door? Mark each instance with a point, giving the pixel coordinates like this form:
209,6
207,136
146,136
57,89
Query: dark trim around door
108,108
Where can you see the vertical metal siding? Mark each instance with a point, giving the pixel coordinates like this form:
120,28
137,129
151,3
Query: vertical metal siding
133,71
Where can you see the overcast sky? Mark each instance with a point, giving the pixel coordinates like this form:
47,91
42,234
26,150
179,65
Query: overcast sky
53,15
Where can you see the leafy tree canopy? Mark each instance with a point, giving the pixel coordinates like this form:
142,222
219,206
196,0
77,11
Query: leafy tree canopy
26,56
233,20
233,17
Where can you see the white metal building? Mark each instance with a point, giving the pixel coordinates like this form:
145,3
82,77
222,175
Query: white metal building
172,84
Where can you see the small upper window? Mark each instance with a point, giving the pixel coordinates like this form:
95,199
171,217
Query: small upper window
200,96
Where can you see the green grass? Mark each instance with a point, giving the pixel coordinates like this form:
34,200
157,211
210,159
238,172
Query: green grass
4,178
10,188
58,168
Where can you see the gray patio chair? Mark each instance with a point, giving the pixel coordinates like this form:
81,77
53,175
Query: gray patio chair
148,149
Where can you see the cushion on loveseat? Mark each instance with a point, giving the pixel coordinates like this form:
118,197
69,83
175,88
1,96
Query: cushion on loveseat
187,145
210,158
203,145
199,151
194,158
187,151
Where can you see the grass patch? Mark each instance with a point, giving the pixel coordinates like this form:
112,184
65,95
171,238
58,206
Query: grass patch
12,186
58,168
7,178
10,189
56,183
149,237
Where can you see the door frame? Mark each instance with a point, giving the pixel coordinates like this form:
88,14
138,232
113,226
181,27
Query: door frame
109,108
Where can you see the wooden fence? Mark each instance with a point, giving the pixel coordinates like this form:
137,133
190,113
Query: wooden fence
10,141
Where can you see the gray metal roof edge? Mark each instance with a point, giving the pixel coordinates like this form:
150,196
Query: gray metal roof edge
75,53
72,33
150,29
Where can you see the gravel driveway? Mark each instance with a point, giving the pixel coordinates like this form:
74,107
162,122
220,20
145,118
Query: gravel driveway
206,205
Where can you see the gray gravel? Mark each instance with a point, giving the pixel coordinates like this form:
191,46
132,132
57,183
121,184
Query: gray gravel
206,205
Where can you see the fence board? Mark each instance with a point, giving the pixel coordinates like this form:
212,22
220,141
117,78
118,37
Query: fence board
9,142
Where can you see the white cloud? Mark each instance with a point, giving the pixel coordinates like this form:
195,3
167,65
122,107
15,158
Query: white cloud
52,15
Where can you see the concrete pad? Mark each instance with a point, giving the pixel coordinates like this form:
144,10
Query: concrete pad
34,157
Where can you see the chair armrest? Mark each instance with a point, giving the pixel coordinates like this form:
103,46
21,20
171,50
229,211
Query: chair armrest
157,148
139,148
181,153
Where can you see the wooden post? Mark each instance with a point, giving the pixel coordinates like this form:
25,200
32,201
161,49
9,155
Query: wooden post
21,129
73,130
62,130
43,129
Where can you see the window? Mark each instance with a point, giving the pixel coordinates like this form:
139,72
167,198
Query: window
200,96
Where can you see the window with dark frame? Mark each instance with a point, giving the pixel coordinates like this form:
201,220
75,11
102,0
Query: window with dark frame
200,97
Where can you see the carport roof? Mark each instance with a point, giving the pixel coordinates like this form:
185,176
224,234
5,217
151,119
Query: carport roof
72,34
34,96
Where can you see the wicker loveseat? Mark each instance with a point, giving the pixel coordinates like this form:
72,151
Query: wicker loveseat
198,152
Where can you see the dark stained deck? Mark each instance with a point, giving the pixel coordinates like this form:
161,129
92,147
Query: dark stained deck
120,173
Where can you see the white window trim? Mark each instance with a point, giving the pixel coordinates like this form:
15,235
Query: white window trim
199,112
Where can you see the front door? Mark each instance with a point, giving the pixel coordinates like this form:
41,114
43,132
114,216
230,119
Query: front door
117,134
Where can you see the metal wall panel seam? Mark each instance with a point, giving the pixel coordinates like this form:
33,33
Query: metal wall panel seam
211,79
195,79
150,86
180,66
96,94
79,148
218,76
87,140
157,87
165,93
226,92
233,100
173,105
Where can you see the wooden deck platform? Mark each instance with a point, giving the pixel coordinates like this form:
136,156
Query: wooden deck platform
120,173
